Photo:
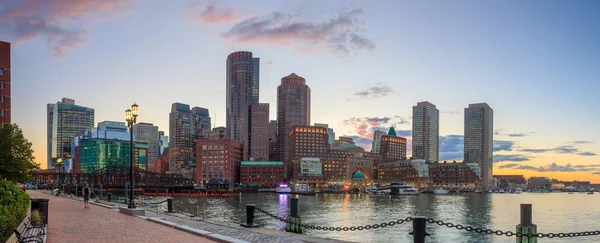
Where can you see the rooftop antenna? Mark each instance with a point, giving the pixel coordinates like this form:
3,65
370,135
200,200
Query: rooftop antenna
215,121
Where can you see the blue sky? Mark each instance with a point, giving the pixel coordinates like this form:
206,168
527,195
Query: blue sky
536,63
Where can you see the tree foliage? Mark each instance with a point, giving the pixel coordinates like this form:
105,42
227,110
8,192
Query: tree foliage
13,208
16,155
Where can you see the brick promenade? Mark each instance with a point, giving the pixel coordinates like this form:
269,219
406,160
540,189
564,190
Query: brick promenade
70,222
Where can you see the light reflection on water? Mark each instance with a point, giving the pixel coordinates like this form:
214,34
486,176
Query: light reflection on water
552,212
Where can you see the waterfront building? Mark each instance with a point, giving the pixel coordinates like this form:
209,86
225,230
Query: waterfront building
217,133
242,91
376,144
265,174
454,174
148,133
510,181
393,147
425,132
306,141
335,166
397,171
97,153
65,121
5,84
163,142
219,159
479,139
539,183
310,167
330,132
293,109
259,131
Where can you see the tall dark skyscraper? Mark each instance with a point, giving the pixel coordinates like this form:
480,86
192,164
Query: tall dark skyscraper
479,139
426,132
293,109
185,127
5,83
242,91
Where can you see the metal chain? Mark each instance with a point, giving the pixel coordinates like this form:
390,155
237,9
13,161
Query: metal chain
158,202
308,226
510,233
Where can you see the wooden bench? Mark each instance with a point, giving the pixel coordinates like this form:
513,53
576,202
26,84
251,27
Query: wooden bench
29,232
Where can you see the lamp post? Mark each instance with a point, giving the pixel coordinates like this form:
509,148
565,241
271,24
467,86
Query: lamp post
59,163
130,117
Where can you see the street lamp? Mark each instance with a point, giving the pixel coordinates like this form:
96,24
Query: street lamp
130,117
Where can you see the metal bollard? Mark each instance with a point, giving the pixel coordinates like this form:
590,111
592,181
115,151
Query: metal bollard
170,205
294,207
419,229
526,226
109,196
294,216
250,209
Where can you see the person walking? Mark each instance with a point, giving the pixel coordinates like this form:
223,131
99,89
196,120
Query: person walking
86,196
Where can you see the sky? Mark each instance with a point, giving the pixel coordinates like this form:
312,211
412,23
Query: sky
536,63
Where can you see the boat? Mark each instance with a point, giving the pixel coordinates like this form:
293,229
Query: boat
518,190
478,191
397,188
283,189
590,192
440,191
501,191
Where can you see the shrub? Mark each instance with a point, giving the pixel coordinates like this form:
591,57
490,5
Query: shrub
13,208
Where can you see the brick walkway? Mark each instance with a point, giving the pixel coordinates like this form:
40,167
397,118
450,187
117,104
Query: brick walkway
70,222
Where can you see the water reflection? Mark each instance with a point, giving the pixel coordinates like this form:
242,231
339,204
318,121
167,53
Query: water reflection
565,213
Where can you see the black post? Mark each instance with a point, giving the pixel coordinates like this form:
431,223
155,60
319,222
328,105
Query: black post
131,203
250,209
170,205
294,207
109,196
419,229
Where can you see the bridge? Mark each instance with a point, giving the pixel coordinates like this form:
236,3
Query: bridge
112,177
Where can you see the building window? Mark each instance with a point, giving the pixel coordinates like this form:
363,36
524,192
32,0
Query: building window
1,71
1,85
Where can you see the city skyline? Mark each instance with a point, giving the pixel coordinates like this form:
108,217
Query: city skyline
539,81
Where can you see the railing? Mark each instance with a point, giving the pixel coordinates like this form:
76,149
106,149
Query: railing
526,231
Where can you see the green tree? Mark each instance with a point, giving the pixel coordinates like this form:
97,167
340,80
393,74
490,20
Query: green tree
16,155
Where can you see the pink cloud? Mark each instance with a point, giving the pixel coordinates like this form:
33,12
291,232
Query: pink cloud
60,22
268,63
340,35
213,15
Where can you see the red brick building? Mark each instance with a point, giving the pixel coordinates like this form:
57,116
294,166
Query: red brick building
335,166
161,164
219,159
265,174
259,131
76,160
306,141
453,174
5,96
397,171
509,181
393,148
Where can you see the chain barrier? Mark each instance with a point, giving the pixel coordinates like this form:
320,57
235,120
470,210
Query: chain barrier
157,202
509,233
436,222
308,226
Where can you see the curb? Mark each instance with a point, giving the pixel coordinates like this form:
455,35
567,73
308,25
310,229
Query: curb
198,232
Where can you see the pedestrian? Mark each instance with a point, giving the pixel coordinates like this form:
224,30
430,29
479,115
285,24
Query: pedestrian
86,196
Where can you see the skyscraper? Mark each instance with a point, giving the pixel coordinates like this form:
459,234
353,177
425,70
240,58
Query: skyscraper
259,131
479,139
5,98
180,135
242,91
148,133
185,127
425,132
164,142
293,109
201,124
255,79
376,145
66,121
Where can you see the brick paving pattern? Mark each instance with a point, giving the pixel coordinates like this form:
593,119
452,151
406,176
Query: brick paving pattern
70,222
